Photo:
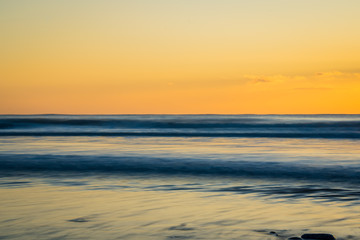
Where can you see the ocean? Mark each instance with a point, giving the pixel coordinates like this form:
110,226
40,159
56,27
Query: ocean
179,176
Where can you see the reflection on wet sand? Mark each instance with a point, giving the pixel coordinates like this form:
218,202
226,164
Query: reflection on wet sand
72,212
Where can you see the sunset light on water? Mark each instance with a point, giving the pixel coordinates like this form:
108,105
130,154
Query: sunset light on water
180,119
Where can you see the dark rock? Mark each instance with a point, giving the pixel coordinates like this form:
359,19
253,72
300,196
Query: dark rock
78,220
179,237
318,236
273,233
294,238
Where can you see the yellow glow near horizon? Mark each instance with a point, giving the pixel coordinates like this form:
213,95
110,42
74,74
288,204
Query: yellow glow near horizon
198,56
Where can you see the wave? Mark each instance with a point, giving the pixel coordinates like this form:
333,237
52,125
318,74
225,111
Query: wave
328,135
288,126
182,121
30,163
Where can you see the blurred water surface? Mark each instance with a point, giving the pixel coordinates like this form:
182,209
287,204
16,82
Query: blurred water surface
179,176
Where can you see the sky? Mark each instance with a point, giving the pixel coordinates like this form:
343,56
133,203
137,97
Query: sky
179,56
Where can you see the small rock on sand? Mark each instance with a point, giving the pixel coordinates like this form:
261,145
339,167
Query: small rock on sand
78,220
318,236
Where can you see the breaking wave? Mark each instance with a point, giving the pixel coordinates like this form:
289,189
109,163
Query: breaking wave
177,166
286,126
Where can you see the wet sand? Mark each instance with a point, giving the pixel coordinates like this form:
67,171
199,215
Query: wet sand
41,210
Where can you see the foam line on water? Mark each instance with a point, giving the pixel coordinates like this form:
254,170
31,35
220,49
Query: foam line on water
175,166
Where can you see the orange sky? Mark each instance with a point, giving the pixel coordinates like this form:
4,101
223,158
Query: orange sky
179,56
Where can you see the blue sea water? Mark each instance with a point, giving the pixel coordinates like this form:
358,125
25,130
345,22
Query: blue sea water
291,174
